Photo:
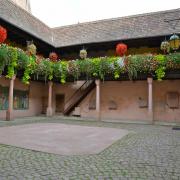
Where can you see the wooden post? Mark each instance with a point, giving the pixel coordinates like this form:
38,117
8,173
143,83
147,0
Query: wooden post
98,108
150,98
9,112
49,108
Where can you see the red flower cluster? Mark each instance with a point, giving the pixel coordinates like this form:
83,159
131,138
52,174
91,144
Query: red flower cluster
53,56
3,34
121,49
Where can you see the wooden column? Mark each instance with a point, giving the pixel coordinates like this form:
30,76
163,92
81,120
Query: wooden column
49,108
150,98
9,112
98,107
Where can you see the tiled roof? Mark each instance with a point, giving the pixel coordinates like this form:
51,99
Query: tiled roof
130,27
22,19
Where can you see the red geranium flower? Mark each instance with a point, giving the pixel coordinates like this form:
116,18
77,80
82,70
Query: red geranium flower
121,49
3,34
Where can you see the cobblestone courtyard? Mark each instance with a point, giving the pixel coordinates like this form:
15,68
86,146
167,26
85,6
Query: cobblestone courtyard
150,152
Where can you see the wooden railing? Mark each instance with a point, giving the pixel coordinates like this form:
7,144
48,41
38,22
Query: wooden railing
78,96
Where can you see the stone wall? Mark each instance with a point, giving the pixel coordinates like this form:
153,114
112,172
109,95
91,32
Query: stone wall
38,96
162,111
120,100
36,90
127,100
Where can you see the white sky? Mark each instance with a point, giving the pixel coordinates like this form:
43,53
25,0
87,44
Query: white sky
64,12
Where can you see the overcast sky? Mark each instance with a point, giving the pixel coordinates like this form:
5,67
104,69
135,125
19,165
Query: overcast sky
64,12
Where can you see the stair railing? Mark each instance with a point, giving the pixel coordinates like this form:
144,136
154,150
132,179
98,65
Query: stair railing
75,95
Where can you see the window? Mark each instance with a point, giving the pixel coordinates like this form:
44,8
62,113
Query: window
21,99
4,98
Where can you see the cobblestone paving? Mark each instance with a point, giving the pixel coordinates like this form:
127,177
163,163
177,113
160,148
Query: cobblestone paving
151,152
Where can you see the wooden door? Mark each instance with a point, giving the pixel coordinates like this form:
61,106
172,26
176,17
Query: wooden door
60,103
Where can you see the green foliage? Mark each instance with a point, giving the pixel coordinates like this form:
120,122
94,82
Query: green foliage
160,73
16,59
13,56
133,66
173,61
74,69
160,58
64,67
160,70
85,67
101,67
4,58
45,69
117,67
138,63
61,71
175,57
30,68
23,59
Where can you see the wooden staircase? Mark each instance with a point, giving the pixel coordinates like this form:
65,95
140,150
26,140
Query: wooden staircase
78,96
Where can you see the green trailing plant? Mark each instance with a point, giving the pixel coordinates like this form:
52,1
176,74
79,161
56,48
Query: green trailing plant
4,58
85,67
74,69
29,69
161,59
64,72
134,65
23,59
61,71
118,67
160,70
160,73
100,67
57,69
173,61
105,67
13,56
95,64
45,69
